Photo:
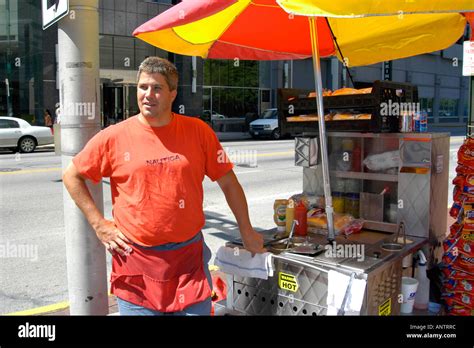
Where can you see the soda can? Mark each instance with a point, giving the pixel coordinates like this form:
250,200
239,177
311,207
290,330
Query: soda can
417,122
420,122
423,122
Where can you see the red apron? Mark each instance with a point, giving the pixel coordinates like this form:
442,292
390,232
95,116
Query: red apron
163,280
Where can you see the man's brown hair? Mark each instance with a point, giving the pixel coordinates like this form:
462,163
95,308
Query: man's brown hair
153,65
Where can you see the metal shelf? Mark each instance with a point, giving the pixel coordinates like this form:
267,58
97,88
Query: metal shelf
365,176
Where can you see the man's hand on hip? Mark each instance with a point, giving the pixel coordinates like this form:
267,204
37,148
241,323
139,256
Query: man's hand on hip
253,241
112,238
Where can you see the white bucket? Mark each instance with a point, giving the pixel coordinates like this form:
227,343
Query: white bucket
409,286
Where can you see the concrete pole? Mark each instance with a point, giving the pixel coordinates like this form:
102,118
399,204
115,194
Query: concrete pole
78,47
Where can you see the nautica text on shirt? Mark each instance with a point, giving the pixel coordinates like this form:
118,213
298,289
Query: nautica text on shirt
158,161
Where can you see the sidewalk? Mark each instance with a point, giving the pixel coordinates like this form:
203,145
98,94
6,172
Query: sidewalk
113,307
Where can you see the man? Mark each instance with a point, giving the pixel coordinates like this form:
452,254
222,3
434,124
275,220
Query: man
156,162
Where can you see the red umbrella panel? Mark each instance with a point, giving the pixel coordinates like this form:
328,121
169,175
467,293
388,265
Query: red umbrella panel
228,29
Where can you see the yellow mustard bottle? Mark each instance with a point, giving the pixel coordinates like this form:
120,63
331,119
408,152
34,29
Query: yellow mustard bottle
279,216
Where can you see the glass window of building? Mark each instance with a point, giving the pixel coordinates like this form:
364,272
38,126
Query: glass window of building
426,105
106,52
123,53
448,107
231,87
251,74
21,62
144,50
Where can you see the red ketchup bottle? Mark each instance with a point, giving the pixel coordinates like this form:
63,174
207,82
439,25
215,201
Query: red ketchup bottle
301,229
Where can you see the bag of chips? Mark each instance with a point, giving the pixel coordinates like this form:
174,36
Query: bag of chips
456,273
465,299
466,153
463,170
462,285
460,310
455,230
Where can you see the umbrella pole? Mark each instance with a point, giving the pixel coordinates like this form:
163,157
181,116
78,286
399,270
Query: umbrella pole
322,128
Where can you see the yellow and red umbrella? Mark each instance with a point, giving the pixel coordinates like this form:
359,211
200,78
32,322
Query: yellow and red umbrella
367,31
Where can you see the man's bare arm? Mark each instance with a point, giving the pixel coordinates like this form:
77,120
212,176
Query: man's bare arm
237,202
106,230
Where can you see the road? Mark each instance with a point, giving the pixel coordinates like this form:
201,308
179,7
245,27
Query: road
31,213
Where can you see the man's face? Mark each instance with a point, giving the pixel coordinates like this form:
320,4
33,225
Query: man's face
153,95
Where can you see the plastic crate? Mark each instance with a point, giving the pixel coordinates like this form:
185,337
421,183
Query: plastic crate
382,92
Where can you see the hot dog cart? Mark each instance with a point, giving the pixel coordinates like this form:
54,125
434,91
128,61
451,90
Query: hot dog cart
300,283
403,207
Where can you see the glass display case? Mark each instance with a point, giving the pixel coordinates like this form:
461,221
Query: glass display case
385,178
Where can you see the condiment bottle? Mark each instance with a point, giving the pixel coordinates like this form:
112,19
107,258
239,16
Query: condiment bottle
290,214
302,218
352,204
279,216
422,296
338,202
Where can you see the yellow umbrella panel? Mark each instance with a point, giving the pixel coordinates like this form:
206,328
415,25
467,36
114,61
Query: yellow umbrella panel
365,8
370,40
372,31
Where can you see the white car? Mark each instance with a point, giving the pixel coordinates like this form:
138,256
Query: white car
214,115
18,135
266,125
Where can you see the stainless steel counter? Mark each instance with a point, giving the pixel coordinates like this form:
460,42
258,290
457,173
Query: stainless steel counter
382,269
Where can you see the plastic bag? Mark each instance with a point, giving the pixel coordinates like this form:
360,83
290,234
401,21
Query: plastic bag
382,161
310,201
343,223
354,227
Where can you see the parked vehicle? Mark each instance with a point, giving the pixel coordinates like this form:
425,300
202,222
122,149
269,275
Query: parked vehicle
266,125
18,135
206,115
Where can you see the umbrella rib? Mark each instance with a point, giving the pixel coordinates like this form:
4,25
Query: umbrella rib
340,52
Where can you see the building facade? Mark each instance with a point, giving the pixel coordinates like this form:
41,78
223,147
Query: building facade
28,70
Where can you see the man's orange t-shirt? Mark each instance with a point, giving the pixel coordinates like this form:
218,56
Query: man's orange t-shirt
156,175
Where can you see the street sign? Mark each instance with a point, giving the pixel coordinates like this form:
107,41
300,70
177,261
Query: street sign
387,70
468,59
53,11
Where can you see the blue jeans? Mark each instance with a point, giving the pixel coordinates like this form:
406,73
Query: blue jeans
200,308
